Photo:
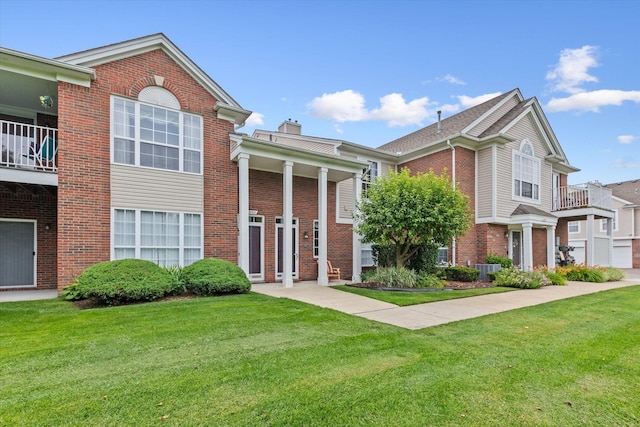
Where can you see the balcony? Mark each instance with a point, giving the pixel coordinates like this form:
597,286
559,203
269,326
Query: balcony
576,201
28,153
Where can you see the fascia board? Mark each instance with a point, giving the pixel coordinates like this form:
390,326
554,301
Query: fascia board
277,151
232,114
44,68
142,45
491,110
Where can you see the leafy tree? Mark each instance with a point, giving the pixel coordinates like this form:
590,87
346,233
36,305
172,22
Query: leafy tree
411,211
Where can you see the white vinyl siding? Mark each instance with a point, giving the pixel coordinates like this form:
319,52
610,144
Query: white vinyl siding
155,137
165,238
493,117
345,200
484,200
153,189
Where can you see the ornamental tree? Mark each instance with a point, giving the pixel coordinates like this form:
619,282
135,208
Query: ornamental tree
410,211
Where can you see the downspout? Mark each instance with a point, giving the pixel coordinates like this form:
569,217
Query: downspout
453,180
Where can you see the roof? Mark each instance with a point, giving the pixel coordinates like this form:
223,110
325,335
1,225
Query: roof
530,210
449,127
626,190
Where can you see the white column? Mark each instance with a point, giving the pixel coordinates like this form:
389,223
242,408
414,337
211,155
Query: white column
610,242
243,212
527,246
357,249
287,219
591,246
322,227
551,246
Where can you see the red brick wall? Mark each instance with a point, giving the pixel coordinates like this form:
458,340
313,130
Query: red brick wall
38,203
539,236
635,249
491,240
265,196
84,161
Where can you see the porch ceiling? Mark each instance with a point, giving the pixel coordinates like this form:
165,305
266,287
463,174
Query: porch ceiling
23,92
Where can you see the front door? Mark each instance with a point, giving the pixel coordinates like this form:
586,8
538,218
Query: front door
17,254
256,247
556,191
516,245
280,246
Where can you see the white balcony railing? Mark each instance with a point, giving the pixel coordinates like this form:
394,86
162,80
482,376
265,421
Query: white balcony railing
28,147
588,195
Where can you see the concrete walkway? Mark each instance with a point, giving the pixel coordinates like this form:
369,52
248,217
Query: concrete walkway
436,313
411,317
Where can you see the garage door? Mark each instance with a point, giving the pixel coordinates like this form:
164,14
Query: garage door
622,253
578,252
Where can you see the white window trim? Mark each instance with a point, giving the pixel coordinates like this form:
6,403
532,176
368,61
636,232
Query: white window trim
579,223
181,148
603,222
138,247
514,174
257,277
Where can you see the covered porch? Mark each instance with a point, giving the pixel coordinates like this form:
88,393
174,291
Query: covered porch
293,165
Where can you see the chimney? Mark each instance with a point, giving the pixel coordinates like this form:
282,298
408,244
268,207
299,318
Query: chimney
291,127
439,123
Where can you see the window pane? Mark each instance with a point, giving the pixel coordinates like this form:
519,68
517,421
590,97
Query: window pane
124,151
192,161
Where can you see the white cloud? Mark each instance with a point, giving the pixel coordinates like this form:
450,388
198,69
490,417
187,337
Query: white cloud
626,164
349,106
345,106
255,119
397,112
453,80
572,69
592,101
626,139
468,102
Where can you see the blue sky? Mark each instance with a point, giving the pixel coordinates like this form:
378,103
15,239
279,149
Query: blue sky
372,71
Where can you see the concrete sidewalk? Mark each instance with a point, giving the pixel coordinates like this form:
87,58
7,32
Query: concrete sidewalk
436,313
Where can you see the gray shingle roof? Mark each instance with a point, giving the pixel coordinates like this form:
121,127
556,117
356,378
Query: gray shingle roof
530,210
627,190
450,126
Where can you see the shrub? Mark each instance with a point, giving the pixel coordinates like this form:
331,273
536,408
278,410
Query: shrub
122,281
431,281
424,260
582,273
554,276
497,259
393,277
516,278
461,274
613,274
176,273
213,276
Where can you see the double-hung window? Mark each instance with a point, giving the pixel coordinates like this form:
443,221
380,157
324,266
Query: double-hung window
156,137
166,238
526,173
614,224
369,174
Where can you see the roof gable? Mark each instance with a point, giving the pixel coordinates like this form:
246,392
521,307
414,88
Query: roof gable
449,127
228,107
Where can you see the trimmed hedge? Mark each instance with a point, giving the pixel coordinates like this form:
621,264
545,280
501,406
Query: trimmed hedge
122,281
213,276
461,274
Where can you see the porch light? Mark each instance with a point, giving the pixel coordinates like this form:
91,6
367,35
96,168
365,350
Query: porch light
46,101
305,235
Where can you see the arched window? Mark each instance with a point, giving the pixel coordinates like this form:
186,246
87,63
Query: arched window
152,132
526,173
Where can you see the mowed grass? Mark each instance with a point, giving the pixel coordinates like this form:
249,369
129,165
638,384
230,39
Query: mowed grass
252,360
403,298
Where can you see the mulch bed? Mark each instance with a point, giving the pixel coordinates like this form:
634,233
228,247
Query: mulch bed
450,286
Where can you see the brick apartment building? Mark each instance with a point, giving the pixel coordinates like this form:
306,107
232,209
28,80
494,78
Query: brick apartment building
132,150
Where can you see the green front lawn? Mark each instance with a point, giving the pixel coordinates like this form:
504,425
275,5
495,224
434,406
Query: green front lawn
254,360
403,298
